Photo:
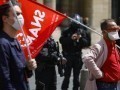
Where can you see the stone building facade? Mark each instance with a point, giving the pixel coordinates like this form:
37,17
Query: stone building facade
95,10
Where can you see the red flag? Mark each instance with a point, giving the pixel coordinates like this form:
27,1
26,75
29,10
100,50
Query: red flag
3,1
40,22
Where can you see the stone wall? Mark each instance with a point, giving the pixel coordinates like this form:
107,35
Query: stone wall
101,9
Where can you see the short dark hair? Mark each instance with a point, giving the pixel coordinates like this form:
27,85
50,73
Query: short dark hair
104,23
4,9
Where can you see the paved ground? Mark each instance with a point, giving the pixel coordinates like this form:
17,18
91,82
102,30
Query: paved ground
59,82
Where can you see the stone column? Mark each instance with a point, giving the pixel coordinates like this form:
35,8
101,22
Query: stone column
95,10
73,6
85,9
101,9
50,3
65,6
40,1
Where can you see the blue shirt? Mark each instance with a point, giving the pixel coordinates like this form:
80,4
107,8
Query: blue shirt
12,64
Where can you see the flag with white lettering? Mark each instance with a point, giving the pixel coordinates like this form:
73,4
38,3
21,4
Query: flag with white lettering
3,2
40,22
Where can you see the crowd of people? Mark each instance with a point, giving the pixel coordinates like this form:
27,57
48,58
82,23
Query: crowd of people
102,60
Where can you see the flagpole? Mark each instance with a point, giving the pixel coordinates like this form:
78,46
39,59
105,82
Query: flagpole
28,49
88,28
84,25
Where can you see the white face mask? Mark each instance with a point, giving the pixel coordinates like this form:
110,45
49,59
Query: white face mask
113,35
17,25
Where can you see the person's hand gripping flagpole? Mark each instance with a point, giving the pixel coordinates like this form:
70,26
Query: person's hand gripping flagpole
31,63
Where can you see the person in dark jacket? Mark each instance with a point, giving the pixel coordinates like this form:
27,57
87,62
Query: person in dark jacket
13,66
87,31
73,40
45,74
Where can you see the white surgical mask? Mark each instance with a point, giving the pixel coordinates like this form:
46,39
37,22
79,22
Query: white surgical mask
17,25
113,35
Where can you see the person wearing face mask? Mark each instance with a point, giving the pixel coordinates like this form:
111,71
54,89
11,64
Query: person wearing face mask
14,69
118,41
103,59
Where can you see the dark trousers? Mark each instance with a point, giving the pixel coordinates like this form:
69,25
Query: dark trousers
73,62
46,78
106,85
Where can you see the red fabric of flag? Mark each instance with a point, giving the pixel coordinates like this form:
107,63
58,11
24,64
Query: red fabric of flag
3,1
40,22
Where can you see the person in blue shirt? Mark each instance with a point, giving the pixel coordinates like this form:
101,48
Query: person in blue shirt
14,69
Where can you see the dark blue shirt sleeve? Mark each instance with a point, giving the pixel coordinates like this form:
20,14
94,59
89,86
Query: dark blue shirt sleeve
4,68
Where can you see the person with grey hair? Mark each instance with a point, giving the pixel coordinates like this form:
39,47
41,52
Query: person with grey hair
103,60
